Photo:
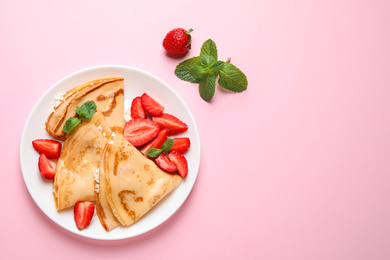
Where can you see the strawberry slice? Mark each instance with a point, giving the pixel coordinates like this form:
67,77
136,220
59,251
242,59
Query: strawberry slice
151,106
50,148
174,124
83,213
180,161
45,167
181,144
165,164
156,142
136,109
139,131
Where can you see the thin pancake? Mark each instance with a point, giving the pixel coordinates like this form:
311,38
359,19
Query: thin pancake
103,209
80,158
107,93
135,183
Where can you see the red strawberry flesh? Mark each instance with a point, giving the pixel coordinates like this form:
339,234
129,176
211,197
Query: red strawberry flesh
136,109
156,142
51,148
151,106
171,122
181,144
180,161
139,131
83,213
165,164
45,167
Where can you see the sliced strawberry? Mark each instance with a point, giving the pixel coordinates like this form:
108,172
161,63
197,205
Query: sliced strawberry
151,106
83,213
174,124
164,163
50,148
156,142
180,161
139,131
136,109
45,168
181,144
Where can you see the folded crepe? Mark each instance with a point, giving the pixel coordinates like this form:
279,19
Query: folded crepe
107,93
79,162
133,184
103,209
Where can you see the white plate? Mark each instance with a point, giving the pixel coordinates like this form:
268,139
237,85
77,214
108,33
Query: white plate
136,82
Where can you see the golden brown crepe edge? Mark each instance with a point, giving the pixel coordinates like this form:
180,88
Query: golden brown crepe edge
54,121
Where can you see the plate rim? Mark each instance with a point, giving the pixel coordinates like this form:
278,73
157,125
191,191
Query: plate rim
91,70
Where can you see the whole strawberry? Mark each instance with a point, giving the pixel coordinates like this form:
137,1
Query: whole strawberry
177,41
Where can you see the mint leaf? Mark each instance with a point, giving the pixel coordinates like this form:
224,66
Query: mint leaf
198,72
154,152
167,145
182,70
87,110
207,86
232,78
71,123
208,53
216,66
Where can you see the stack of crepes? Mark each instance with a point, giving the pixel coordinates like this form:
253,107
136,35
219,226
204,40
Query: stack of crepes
98,164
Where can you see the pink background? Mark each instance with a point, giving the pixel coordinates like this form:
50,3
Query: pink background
296,167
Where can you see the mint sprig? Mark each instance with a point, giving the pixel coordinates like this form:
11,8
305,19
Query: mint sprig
87,110
84,112
165,147
205,69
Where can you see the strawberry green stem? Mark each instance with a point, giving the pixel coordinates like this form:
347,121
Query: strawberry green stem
189,38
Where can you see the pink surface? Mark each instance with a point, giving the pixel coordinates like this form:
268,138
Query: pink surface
296,167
